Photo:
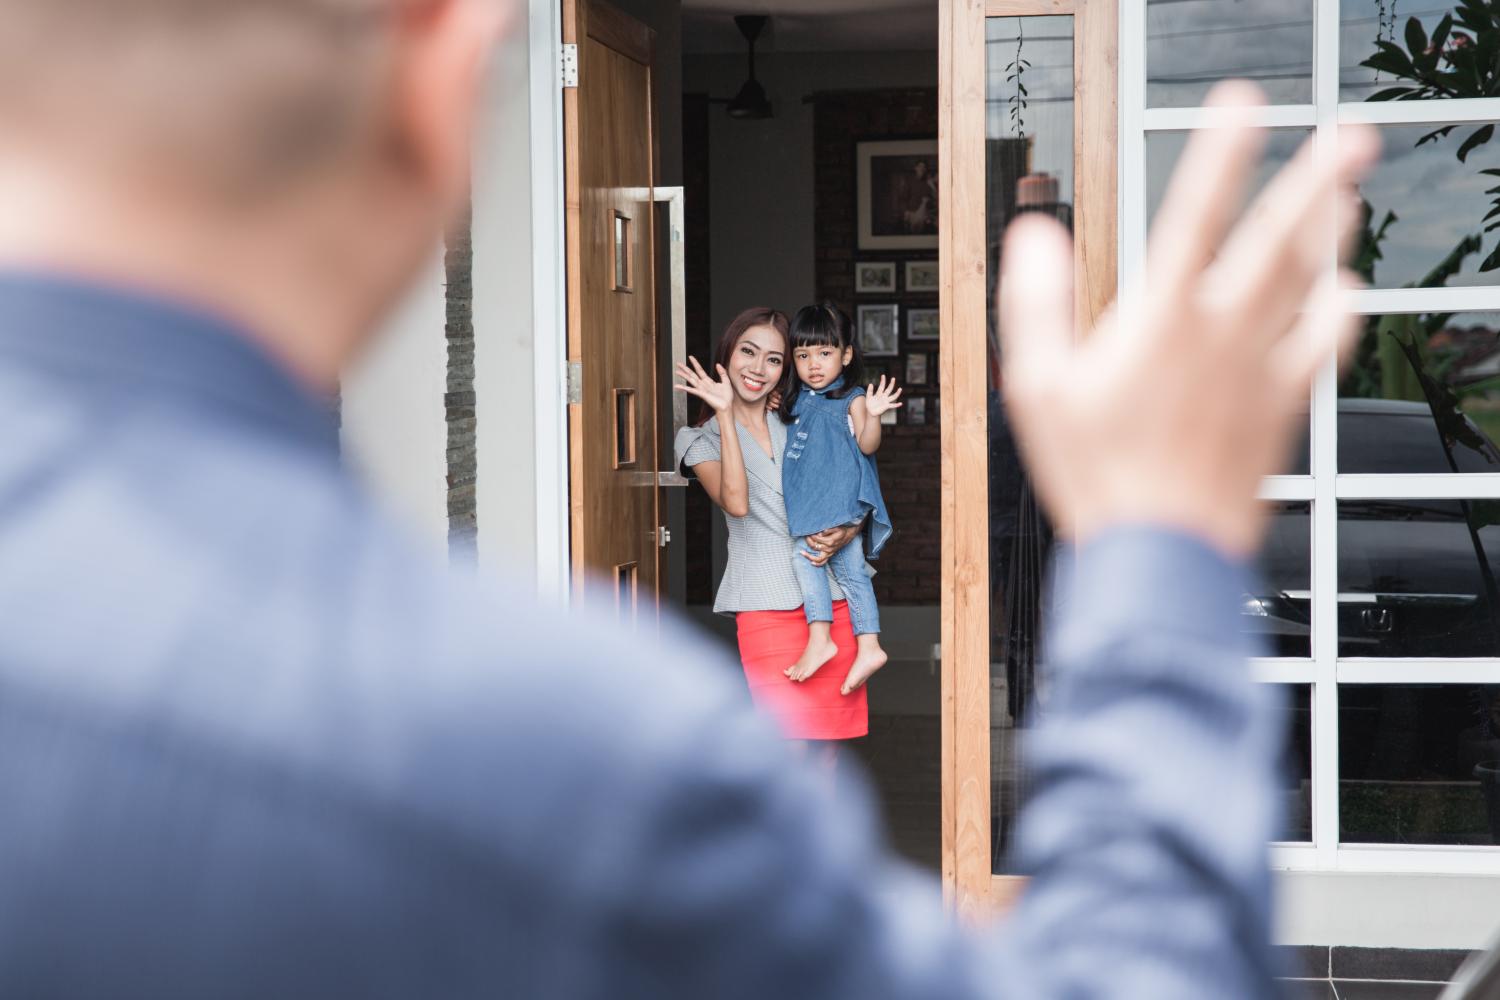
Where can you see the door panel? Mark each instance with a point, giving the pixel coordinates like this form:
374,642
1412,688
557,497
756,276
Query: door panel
612,314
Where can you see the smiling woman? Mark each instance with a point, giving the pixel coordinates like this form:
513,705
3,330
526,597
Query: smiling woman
735,452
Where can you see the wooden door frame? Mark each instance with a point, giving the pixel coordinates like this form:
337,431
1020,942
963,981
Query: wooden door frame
968,880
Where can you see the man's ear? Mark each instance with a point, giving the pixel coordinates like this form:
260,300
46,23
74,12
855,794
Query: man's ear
443,48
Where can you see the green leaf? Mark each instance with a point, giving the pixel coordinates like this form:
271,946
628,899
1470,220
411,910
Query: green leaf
1492,261
1392,94
1492,227
1477,138
1436,135
1493,212
1440,33
1492,172
1416,37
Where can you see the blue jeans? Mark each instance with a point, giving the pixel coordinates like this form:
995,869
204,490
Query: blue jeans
848,568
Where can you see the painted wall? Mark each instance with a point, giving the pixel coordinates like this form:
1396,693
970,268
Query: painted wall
505,385
763,246
394,434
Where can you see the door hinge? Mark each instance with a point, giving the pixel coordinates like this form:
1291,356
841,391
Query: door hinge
575,381
567,66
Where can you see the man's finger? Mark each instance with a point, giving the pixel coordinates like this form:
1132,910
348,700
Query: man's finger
1276,256
1207,189
1036,295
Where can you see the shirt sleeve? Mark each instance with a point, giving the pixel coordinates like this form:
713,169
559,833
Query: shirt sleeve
1144,833
696,445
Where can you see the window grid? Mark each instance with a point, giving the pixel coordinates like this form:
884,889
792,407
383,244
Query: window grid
1325,670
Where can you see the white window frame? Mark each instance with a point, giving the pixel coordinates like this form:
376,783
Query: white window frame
1325,670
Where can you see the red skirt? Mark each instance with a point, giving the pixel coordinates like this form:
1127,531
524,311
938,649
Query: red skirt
771,641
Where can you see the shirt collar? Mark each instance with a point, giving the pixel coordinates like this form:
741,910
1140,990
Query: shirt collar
830,387
96,335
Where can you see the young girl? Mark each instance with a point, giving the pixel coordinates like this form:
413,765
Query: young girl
830,480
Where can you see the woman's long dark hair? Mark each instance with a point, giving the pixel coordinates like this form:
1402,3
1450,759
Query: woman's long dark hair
820,326
754,316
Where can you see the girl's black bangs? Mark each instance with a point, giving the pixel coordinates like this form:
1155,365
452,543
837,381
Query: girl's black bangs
816,337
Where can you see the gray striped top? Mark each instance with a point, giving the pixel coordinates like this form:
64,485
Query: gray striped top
759,575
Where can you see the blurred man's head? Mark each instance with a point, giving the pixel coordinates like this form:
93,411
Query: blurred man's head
304,142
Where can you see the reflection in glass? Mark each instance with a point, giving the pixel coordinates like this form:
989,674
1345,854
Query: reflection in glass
1164,149
1432,50
1296,762
1280,611
1029,146
1419,764
1422,395
1426,203
1191,44
1417,578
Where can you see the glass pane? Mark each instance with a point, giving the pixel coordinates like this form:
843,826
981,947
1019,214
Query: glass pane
1191,44
1296,762
1164,149
1427,208
1029,143
1422,394
1280,613
1419,764
1417,577
1381,56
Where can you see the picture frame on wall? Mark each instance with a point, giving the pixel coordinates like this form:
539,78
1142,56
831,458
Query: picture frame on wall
922,276
897,191
923,324
916,410
916,369
874,278
879,330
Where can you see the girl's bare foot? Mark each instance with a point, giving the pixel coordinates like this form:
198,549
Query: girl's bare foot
869,659
820,649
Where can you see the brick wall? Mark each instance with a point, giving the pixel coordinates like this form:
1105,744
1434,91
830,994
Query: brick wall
909,459
458,399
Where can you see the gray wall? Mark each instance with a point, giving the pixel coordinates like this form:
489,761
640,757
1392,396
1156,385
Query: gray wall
763,243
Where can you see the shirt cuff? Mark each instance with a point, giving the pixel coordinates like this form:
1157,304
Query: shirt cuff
1154,581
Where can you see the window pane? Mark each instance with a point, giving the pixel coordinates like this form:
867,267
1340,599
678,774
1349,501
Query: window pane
1417,577
1191,44
1405,64
1280,612
1296,761
1164,149
1426,226
1422,394
1419,764
1030,169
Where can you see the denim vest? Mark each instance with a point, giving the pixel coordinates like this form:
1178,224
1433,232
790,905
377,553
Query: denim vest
827,480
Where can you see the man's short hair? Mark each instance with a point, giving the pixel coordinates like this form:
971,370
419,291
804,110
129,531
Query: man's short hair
237,94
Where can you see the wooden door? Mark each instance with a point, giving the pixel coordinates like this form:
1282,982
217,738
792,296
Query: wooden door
609,149
990,138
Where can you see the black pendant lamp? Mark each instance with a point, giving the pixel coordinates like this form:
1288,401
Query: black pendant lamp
751,102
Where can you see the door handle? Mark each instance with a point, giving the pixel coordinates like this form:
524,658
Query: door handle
672,197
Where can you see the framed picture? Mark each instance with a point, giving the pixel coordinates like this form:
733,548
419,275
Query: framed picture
880,330
870,277
922,276
916,369
916,410
897,186
888,418
922,324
